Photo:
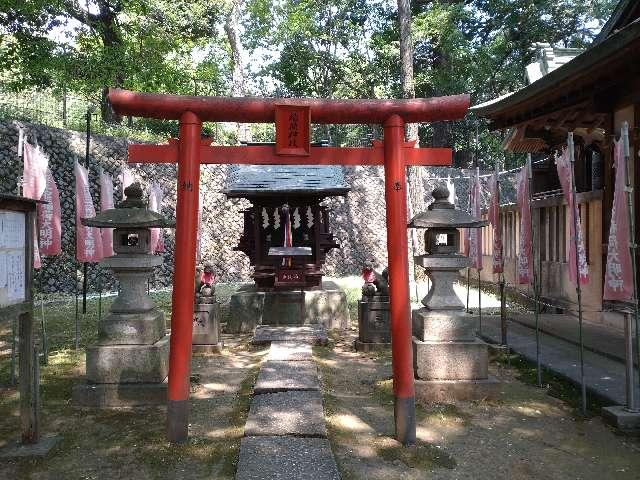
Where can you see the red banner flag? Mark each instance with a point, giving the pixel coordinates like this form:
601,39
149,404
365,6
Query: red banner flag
618,279
50,219
473,238
35,172
127,178
88,239
565,174
34,183
525,260
199,234
494,218
106,203
155,204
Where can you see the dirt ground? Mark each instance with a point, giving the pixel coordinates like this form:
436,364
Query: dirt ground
130,443
526,434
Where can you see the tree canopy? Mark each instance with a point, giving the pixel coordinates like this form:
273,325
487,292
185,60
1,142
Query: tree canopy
330,48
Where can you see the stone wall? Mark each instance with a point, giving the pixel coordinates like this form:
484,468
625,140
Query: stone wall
358,221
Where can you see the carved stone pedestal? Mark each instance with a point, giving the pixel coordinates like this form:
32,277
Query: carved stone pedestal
449,361
250,307
206,328
129,363
374,331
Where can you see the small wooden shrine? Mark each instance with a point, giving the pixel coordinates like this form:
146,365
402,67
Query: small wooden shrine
286,230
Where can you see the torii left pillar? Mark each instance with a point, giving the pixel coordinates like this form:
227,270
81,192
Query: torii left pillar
185,271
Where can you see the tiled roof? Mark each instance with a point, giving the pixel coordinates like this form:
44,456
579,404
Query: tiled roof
251,180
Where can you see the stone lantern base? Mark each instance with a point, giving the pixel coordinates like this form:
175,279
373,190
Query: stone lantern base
450,363
124,376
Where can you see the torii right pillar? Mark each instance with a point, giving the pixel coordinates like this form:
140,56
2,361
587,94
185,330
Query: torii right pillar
397,248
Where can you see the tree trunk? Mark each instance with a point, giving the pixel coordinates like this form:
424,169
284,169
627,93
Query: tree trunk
105,23
231,28
406,60
415,180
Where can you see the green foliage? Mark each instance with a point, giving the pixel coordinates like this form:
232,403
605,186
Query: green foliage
163,46
335,48
322,48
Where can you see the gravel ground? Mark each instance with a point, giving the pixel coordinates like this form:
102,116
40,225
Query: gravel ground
131,443
526,434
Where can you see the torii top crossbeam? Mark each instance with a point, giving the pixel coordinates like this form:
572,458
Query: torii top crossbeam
292,118
262,110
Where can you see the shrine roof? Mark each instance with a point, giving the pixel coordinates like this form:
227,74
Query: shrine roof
307,180
574,82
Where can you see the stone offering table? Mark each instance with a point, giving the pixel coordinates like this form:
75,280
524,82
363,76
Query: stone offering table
325,306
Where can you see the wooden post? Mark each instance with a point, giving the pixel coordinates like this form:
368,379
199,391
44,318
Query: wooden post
400,310
28,397
21,308
184,273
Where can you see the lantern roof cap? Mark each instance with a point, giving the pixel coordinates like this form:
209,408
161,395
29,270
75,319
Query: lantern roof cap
132,212
442,214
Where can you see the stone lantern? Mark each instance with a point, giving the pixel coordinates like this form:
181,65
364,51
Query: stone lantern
128,364
450,362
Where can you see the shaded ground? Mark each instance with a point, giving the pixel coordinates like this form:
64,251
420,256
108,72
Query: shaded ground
527,434
131,443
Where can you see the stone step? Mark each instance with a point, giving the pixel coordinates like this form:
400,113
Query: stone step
316,335
286,458
290,351
296,413
279,376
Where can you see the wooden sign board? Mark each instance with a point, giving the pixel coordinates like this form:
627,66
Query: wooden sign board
12,257
290,276
293,130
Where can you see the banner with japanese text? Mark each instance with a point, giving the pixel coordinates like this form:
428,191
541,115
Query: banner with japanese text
106,203
525,257
34,183
494,219
474,235
565,174
88,239
50,219
618,279
155,204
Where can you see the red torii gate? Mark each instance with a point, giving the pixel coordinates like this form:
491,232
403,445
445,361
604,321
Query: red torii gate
292,148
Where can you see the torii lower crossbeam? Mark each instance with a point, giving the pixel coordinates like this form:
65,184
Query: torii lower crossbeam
189,151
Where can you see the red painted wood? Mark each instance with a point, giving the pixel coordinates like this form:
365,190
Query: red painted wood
262,110
397,248
293,130
266,155
185,257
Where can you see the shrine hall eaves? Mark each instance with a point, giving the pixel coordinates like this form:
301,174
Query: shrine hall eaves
261,180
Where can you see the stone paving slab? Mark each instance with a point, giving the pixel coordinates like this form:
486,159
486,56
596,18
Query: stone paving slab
40,449
602,339
290,351
278,376
603,377
286,413
286,458
317,335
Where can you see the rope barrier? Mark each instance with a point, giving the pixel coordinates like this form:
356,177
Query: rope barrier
485,175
